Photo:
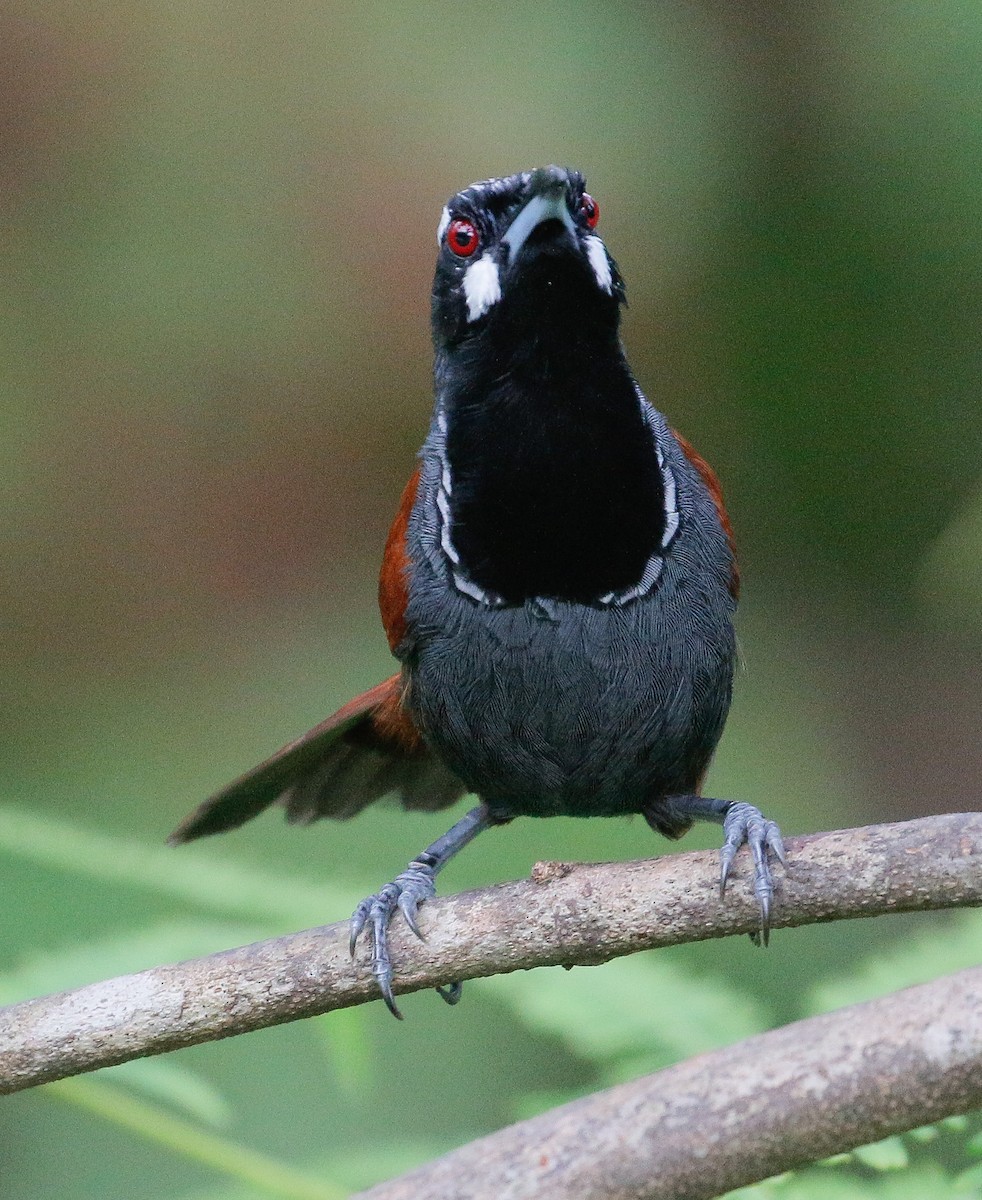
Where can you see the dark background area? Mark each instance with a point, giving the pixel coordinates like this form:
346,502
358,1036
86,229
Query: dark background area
216,245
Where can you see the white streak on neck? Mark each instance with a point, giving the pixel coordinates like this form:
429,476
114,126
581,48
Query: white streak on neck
597,254
443,491
482,286
653,568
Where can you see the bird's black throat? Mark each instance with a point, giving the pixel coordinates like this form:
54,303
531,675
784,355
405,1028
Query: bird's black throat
556,488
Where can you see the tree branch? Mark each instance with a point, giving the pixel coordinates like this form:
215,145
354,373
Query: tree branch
565,914
738,1115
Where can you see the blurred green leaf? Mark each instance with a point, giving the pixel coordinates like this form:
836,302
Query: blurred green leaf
349,1049
768,1189
175,1083
190,875
954,944
356,1167
970,1181
234,1159
534,1103
380,1157
928,1133
642,1010
924,1182
73,965
890,1154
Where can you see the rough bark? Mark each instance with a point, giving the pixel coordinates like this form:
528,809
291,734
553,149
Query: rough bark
738,1115
564,914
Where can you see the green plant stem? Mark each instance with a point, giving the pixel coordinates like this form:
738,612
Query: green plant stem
157,1125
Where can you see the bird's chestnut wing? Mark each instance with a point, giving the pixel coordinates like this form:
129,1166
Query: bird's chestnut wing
708,476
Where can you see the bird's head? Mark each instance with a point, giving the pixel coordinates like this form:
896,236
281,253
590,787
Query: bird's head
521,255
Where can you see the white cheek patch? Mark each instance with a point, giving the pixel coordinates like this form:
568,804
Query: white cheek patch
482,286
441,229
597,255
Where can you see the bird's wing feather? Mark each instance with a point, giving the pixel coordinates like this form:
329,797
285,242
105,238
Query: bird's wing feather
708,476
392,584
368,748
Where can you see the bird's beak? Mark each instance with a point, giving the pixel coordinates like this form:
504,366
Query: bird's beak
548,204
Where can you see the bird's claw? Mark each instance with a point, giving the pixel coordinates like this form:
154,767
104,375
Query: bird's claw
452,992
406,893
744,823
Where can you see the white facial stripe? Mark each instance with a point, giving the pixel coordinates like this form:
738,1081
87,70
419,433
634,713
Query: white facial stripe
597,255
441,229
482,286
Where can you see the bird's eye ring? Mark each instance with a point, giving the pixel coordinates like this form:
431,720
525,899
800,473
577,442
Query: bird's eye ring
462,237
590,210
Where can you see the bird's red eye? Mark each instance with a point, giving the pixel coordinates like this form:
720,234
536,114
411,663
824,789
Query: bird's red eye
462,237
590,210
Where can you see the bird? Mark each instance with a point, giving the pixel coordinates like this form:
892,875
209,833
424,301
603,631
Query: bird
558,585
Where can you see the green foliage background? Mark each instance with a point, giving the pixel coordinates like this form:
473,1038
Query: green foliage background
216,245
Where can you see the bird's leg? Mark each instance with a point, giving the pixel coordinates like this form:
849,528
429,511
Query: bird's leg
407,892
742,824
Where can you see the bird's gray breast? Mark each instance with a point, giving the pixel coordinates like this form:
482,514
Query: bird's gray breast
552,707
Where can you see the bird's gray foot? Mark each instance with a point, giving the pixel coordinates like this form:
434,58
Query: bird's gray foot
406,893
745,824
